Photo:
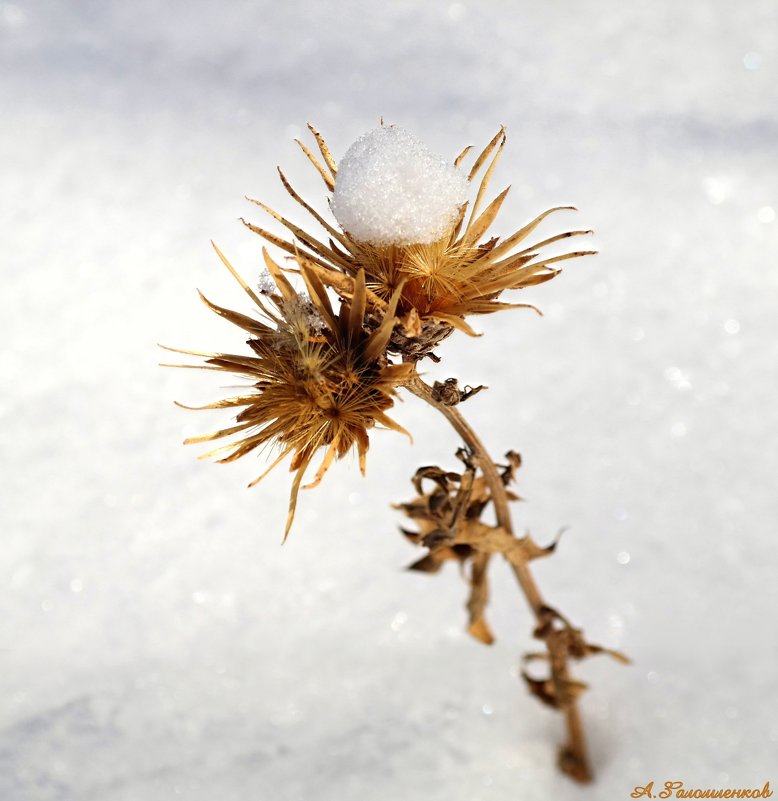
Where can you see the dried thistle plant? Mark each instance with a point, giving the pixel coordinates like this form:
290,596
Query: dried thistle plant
408,263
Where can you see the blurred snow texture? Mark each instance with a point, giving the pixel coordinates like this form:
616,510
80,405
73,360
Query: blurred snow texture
157,642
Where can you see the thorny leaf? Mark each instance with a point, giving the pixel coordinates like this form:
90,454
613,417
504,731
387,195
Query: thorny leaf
428,563
445,480
447,512
556,694
479,597
493,539
563,640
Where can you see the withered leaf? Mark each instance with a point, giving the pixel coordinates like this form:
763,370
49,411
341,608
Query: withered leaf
493,539
443,478
431,563
542,689
555,691
479,597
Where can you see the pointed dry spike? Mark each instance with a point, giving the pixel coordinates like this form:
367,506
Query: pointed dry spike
357,310
617,655
303,236
381,336
243,447
460,158
236,318
490,306
249,365
564,257
514,239
319,219
272,238
324,150
485,182
363,443
343,318
387,422
510,268
458,224
345,253
281,280
226,361
189,352
224,432
551,240
249,291
475,230
456,322
521,306
342,284
327,178
398,373
281,243
320,298
325,466
293,497
217,451
227,403
192,366
479,162
283,455
540,278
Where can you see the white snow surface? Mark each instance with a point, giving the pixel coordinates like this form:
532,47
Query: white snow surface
157,641
391,189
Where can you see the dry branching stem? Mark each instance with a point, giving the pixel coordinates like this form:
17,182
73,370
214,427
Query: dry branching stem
573,758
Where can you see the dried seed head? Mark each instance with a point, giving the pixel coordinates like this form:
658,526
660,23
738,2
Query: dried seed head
318,380
405,222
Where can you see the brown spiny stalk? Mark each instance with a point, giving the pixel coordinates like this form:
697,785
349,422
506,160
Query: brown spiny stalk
573,758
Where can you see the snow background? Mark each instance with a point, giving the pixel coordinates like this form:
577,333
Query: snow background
156,639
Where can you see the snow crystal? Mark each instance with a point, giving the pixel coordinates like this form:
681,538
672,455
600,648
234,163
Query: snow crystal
391,189
266,284
302,313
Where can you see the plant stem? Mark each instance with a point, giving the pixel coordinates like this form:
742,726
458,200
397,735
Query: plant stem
573,757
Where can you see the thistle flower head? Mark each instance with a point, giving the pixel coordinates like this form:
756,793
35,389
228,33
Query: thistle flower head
406,223
318,380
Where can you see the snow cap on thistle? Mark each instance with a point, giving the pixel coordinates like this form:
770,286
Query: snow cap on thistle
392,189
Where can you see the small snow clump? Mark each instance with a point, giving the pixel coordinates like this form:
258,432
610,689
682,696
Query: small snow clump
302,313
266,284
391,189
